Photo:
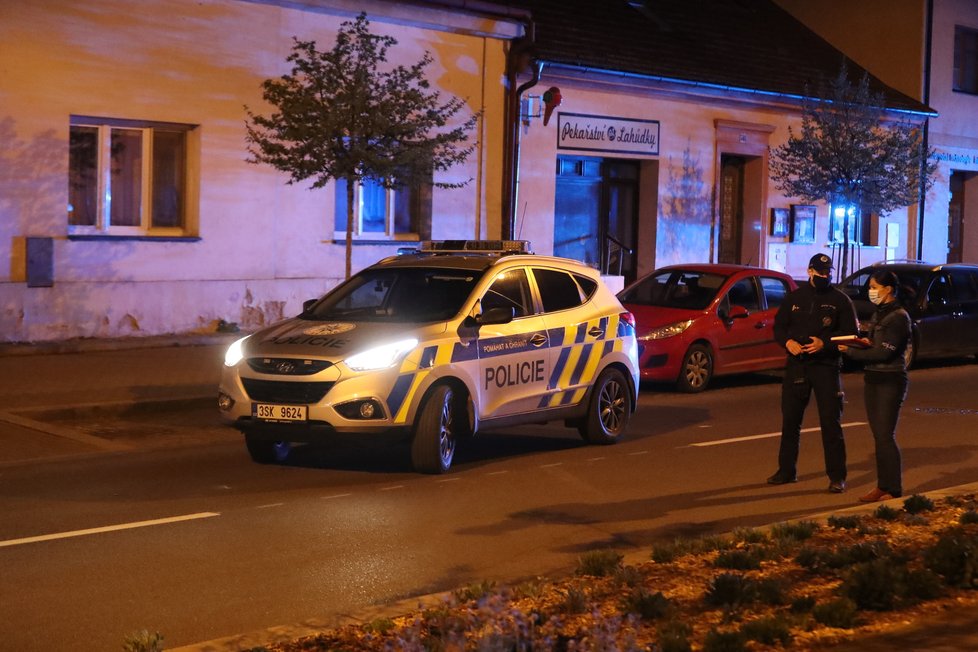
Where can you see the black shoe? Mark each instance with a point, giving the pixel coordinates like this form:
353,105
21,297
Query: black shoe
780,478
837,486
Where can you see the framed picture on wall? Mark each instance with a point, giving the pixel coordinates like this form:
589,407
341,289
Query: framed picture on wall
779,222
802,224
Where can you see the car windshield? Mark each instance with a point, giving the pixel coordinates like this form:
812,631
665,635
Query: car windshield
675,289
399,294
910,281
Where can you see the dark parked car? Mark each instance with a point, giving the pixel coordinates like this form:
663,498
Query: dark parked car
698,321
942,301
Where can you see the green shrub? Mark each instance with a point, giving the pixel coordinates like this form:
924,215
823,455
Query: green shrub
954,556
817,559
575,601
628,576
729,641
917,504
474,591
887,513
380,625
970,516
732,590
923,584
674,636
846,522
802,604
796,531
599,563
840,613
143,641
768,630
530,588
740,559
647,605
878,585
750,535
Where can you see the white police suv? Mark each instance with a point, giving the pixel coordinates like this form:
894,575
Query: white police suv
458,337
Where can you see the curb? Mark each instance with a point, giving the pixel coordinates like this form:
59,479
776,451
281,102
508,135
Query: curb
86,344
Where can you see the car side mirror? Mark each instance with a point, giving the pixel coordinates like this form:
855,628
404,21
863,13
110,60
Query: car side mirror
307,304
496,316
736,312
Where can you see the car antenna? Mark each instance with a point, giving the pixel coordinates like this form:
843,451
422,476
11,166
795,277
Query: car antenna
522,218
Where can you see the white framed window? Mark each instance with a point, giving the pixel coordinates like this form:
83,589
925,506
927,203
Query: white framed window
379,213
127,177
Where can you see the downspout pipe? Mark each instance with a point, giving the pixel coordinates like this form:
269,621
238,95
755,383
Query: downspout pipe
517,134
519,51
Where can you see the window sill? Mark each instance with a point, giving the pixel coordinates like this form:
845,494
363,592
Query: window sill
140,238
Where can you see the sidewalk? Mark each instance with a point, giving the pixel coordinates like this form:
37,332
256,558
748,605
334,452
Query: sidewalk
92,376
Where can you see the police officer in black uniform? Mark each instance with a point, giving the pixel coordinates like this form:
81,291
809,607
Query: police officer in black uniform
804,325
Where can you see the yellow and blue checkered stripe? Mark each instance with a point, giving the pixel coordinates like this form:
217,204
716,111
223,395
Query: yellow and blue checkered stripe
575,368
579,360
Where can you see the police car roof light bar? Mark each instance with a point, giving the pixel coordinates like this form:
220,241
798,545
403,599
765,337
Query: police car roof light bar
499,247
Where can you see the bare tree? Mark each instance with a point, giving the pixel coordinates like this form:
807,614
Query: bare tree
338,115
849,154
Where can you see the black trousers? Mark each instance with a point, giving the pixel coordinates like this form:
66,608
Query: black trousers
800,381
885,393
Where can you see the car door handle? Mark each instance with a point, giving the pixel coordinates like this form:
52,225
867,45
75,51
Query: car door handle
538,340
595,331
759,325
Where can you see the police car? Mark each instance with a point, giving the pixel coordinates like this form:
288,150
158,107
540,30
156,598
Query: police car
458,337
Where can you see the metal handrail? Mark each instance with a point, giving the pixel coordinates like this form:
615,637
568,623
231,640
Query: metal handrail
620,247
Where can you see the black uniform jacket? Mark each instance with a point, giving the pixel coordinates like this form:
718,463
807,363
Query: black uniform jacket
890,332
806,313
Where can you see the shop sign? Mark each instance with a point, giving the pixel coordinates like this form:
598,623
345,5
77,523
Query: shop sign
964,157
598,133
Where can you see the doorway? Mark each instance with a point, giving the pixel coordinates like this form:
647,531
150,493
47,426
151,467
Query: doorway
963,185
731,208
596,213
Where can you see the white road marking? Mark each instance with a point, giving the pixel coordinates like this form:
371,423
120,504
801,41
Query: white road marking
767,435
107,528
596,459
336,496
269,505
448,480
550,466
638,453
497,472
397,486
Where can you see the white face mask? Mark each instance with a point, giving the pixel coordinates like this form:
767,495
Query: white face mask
874,296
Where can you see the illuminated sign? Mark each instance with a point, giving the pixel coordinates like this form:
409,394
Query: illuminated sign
598,133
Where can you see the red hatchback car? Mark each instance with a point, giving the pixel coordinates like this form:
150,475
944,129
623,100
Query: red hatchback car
698,321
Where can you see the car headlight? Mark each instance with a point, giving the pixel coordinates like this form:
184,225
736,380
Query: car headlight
235,352
671,330
381,357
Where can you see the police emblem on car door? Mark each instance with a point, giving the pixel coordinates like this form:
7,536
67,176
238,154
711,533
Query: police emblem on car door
514,358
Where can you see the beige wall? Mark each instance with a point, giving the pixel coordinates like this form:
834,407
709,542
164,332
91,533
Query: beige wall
200,63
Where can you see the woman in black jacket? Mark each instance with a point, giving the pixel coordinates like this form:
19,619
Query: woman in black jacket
885,373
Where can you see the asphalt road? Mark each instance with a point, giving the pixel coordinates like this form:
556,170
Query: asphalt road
177,531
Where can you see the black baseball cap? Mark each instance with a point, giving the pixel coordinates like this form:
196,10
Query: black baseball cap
820,263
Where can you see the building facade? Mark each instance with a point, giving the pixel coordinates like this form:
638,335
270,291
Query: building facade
928,49
127,207
629,135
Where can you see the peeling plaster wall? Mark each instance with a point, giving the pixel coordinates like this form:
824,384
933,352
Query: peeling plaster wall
262,246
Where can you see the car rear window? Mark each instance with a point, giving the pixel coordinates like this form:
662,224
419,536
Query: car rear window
675,289
774,290
558,290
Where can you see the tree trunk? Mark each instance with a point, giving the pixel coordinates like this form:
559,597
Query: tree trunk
349,224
